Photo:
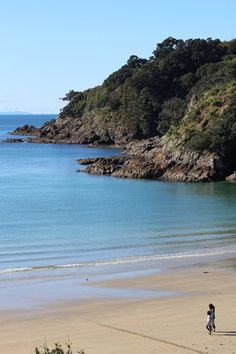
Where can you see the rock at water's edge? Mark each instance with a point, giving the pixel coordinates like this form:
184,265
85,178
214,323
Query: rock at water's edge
13,140
157,159
25,130
232,177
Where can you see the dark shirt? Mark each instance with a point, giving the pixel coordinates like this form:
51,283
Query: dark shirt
212,310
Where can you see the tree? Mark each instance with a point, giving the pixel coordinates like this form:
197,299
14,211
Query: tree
70,95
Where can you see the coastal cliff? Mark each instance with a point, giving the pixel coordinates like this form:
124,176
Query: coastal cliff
156,158
175,113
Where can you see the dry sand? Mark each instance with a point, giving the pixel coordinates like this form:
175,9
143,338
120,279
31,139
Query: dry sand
167,325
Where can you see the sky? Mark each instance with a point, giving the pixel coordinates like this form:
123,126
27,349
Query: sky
49,47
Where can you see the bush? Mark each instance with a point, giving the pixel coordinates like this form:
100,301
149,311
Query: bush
56,350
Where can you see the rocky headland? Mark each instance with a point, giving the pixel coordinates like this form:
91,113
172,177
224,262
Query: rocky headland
174,114
153,158
157,159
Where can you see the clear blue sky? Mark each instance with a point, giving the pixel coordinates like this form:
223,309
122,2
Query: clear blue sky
51,46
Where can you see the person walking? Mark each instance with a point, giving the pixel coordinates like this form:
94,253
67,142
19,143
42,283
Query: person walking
209,322
213,316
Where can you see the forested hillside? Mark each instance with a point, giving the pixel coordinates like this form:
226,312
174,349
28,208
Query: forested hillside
183,96
192,80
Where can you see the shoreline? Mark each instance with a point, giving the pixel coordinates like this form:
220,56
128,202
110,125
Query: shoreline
35,291
84,282
128,260
153,158
141,324
172,320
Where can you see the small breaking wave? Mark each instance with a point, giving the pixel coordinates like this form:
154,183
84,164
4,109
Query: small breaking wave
122,260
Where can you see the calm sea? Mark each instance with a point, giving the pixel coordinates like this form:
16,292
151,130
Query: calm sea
52,216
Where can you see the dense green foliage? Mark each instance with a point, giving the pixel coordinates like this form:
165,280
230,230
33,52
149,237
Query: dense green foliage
187,88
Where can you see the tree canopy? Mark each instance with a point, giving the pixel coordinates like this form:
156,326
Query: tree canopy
186,87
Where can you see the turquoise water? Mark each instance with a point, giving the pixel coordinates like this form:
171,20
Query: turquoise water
51,216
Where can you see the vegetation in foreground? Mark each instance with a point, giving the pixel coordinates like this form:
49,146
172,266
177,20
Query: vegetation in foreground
58,349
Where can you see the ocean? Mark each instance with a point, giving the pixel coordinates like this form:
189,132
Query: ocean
52,217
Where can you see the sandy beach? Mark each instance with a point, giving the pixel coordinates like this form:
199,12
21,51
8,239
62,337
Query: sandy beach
167,324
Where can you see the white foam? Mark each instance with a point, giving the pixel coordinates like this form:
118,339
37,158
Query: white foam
15,270
133,259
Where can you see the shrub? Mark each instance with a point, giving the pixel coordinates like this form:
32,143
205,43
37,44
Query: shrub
56,350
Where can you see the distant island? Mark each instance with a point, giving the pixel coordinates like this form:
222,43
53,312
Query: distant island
175,113
15,113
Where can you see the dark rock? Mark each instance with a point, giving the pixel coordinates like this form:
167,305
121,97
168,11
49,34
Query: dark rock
13,140
153,158
102,166
159,159
25,130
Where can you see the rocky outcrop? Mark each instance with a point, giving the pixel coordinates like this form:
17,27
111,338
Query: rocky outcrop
66,131
13,140
102,166
159,159
75,131
153,158
26,130
232,177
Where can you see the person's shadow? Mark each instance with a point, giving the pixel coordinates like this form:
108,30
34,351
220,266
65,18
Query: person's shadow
225,333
